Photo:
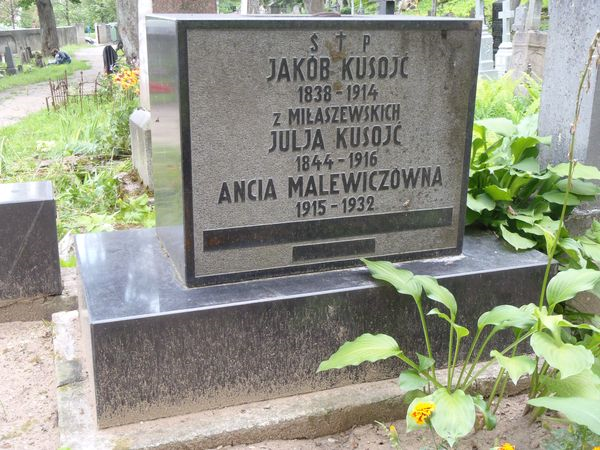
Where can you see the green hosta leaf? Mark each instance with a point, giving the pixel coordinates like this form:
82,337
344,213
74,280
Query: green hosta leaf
569,359
425,362
517,241
480,203
574,249
497,193
410,380
411,424
519,145
507,316
581,171
454,414
367,347
579,187
461,331
568,283
403,280
500,125
590,248
437,293
585,384
488,416
516,366
558,198
583,411
528,165
528,126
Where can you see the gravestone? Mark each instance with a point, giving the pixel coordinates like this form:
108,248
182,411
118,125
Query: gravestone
572,27
8,59
486,51
496,25
529,43
284,148
504,54
139,121
29,262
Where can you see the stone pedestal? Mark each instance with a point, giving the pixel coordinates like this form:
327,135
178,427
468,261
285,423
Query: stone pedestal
157,349
29,262
529,48
141,145
486,56
503,57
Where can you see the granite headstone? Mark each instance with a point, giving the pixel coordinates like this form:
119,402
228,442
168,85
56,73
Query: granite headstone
10,63
29,262
306,143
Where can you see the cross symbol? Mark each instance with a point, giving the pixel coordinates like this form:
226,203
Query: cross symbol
340,37
506,14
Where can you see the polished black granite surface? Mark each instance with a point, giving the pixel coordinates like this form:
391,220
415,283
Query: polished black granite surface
131,273
157,349
29,261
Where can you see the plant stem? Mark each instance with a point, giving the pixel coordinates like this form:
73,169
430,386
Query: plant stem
426,334
496,384
480,352
471,349
450,342
456,348
489,363
432,435
412,364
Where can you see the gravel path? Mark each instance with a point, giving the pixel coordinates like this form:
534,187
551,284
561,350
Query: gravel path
18,102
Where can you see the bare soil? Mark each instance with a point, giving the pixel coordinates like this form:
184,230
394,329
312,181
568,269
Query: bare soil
28,418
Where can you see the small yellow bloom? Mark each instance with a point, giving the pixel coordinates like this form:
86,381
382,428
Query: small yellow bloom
422,412
597,447
507,446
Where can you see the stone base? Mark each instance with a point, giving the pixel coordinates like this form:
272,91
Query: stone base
158,349
29,261
529,49
305,416
141,145
503,58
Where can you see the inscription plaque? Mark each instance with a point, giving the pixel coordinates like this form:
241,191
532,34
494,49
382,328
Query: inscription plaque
287,145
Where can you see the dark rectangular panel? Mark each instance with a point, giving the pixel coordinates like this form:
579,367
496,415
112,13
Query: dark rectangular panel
321,229
333,249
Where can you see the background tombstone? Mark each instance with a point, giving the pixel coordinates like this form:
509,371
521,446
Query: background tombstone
251,7
572,26
486,51
29,262
529,43
504,54
139,121
8,59
496,25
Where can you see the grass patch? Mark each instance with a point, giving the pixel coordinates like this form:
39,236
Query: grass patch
32,74
84,150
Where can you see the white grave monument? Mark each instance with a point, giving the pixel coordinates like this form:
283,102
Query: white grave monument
486,51
504,54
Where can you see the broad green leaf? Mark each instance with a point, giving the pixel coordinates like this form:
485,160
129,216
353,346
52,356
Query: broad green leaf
411,395
437,293
411,424
425,362
528,165
507,316
488,416
585,384
568,283
480,203
574,249
500,125
579,187
454,414
558,197
461,331
410,380
516,366
582,411
497,193
402,280
517,241
519,145
590,248
528,125
581,171
367,347
568,358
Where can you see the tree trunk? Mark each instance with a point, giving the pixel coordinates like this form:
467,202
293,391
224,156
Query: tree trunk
47,25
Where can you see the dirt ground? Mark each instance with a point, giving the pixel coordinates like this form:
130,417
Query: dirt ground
16,103
28,418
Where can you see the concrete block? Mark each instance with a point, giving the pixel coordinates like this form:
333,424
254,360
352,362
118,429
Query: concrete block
141,145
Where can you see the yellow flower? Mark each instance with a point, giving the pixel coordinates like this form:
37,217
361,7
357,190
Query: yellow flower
597,447
422,411
507,446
